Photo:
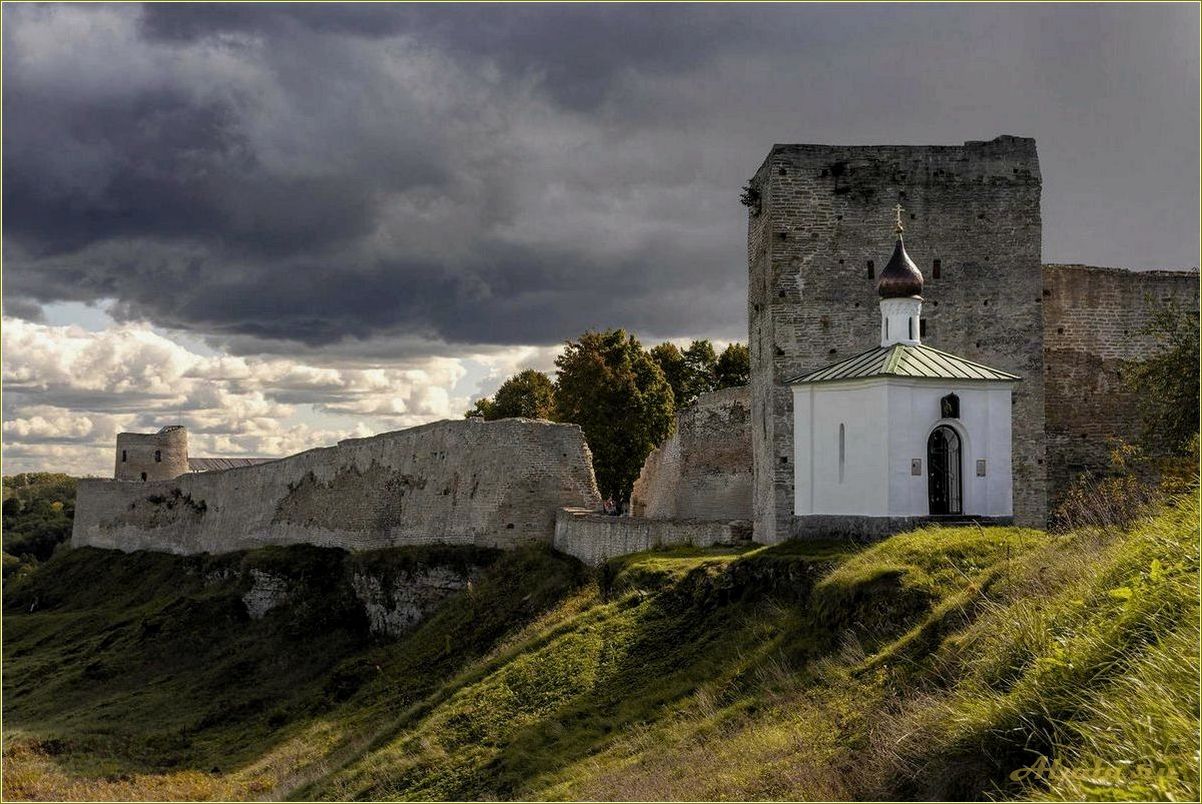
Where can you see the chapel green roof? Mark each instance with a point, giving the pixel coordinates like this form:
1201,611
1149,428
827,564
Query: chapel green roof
904,360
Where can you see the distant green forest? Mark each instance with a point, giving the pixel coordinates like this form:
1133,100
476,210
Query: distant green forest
38,510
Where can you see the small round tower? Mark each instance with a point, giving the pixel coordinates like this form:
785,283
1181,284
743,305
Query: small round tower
152,456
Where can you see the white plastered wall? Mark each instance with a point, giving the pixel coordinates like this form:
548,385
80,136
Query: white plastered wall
862,486
887,421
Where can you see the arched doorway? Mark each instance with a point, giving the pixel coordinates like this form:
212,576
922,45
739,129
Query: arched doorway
943,466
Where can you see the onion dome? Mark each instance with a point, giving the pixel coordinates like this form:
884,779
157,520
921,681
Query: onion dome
901,277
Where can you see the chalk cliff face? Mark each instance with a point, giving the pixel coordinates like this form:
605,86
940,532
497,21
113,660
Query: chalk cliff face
494,484
394,602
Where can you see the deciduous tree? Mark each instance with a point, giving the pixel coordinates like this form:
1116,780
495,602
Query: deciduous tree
691,372
702,365
528,394
734,366
610,386
1167,382
670,360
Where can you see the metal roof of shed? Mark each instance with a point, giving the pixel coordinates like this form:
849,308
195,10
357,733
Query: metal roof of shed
904,360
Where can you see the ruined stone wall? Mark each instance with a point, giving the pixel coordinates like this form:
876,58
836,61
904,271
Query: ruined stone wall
703,471
1093,324
654,492
493,484
824,213
595,538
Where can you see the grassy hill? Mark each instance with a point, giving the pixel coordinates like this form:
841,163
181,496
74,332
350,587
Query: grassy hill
943,663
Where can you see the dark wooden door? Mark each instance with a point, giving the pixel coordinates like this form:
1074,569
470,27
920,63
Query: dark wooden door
943,467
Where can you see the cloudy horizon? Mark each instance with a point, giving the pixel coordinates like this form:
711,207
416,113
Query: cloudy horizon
284,225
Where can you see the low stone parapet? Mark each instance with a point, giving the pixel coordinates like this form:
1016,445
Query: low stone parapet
595,538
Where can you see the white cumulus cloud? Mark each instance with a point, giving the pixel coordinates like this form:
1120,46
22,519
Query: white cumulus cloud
70,390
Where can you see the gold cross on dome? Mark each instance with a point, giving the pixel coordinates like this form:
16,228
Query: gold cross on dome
898,209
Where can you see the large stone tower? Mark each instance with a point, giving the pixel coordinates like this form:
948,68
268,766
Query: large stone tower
818,226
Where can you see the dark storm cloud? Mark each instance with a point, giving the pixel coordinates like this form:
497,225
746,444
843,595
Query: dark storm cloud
24,308
185,22
156,192
338,177
575,50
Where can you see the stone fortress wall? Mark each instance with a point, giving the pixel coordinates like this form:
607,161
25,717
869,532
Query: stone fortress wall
819,232
1094,322
703,471
152,456
494,484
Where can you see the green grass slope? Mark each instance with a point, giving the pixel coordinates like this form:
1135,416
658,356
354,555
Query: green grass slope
947,663
141,675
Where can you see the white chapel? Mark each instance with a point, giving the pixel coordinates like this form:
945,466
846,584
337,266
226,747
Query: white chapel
901,432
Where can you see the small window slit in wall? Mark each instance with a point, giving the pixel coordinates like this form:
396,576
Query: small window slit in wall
922,327
936,269
158,456
842,450
123,456
871,269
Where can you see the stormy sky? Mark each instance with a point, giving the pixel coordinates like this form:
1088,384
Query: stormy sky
282,225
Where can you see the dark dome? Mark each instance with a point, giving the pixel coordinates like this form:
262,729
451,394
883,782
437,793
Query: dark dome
901,277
